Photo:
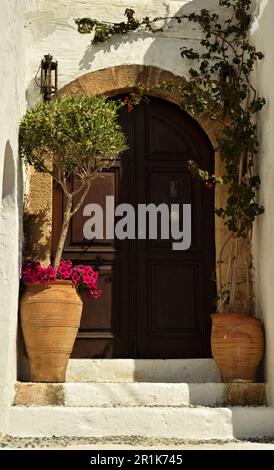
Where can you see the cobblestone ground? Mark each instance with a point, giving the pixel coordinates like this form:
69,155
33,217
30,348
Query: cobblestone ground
117,443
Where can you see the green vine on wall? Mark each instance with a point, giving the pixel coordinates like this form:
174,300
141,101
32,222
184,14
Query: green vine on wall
104,30
220,85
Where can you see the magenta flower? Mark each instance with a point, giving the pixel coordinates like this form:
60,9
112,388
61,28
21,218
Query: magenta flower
65,269
84,277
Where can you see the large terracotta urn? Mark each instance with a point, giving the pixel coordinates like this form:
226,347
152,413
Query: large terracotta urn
237,344
50,318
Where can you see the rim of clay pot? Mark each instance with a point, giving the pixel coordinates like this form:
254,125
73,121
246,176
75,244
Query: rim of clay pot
250,315
49,284
239,315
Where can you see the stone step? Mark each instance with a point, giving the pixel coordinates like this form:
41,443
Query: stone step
191,424
143,370
139,394
162,422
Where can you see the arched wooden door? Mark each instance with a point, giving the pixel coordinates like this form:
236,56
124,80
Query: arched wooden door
157,302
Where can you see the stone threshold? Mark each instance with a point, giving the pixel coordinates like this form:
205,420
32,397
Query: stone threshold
143,370
140,394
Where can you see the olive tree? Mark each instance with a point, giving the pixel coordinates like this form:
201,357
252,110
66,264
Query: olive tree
72,136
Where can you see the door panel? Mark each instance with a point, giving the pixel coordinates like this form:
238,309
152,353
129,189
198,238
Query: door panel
172,312
157,302
104,185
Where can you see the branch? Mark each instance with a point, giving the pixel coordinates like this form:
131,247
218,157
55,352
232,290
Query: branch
221,260
80,202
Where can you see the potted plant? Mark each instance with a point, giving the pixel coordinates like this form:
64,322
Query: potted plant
220,86
70,136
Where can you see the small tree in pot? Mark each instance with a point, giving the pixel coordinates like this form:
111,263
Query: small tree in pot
69,137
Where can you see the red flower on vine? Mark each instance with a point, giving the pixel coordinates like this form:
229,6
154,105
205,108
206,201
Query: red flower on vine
129,105
209,185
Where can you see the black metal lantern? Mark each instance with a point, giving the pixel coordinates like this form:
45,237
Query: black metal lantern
228,81
48,77
227,74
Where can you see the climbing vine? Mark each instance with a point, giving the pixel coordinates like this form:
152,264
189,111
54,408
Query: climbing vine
103,30
220,85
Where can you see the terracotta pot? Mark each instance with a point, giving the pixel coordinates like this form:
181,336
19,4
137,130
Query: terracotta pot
237,343
50,318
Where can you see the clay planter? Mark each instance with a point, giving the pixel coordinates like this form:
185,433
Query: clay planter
237,344
50,318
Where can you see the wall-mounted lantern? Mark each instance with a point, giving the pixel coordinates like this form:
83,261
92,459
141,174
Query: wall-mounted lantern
49,69
227,74
228,80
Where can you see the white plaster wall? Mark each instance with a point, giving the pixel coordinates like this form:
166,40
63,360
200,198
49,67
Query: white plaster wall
12,93
51,28
262,35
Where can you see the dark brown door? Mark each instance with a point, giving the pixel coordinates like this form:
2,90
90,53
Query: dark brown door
157,301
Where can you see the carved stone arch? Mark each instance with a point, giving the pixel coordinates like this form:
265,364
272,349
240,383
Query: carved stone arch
128,78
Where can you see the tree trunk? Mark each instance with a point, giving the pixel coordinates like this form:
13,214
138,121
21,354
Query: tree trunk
64,231
67,216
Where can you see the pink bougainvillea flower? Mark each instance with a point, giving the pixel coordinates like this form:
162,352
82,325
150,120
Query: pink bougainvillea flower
65,269
84,277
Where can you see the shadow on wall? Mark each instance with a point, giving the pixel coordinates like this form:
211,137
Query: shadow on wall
7,210
11,201
35,240
8,187
33,93
156,54
11,236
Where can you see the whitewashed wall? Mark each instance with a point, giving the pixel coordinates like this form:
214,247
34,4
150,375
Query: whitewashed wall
12,92
263,37
51,28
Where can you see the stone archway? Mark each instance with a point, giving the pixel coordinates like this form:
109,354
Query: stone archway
127,78
114,81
